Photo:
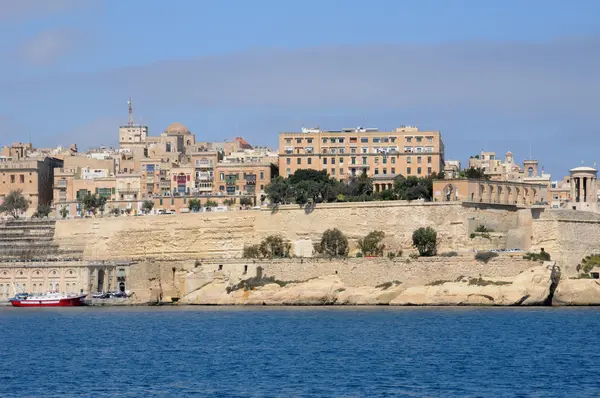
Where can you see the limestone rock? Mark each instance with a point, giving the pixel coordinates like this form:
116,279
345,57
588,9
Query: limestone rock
318,291
211,294
365,295
531,287
577,292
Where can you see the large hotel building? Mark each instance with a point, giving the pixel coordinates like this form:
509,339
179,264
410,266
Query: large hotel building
348,152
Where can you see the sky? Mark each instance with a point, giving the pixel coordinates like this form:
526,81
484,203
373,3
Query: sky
518,75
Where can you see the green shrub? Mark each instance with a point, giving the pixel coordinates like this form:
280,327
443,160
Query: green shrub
333,243
246,201
472,236
482,282
588,263
387,285
194,205
229,202
425,240
541,256
252,251
371,245
359,254
274,247
211,203
391,255
485,256
147,206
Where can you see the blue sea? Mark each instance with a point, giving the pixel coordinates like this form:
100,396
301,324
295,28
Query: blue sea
299,352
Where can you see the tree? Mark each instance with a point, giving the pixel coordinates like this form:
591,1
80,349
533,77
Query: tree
229,202
475,173
14,204
274,246
279,191
42,211
413,188
425,240
306,191
64,212
244,201
114,211
147,206
361,185
93,203
252,251
372,244
194,205
333,243
210,203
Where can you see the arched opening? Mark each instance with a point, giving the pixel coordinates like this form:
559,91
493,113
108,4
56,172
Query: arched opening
449,193
530,172
100,280
122,287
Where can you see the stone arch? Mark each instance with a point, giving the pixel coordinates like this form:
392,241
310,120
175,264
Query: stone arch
499,192
517,197
525,195
481,192
449,193
491,194
509,194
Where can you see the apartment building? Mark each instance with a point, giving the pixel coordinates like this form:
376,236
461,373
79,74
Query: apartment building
237,178
33,176
345,153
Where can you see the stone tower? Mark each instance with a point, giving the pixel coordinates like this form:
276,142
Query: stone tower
584,182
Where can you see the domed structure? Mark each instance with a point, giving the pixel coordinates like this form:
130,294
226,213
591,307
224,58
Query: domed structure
177,129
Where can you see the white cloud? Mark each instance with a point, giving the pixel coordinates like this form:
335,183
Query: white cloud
48,46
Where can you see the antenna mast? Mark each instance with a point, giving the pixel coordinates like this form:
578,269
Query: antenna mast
130,122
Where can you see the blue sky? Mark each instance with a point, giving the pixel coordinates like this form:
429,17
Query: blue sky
492,75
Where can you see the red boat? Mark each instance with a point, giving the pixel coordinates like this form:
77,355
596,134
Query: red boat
50,299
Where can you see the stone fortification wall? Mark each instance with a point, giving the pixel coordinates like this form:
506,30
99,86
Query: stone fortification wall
567,235
373,271
224,235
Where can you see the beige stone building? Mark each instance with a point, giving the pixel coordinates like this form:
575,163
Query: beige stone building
243,178
348,152
15,151
33,176
489,191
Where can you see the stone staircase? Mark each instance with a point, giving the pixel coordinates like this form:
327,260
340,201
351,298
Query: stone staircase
32,240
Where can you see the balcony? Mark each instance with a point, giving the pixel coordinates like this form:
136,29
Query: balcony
61,184
204,177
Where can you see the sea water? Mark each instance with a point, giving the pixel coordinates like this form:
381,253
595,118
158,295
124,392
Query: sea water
299,351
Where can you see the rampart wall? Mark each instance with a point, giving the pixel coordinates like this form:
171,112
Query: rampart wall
224,235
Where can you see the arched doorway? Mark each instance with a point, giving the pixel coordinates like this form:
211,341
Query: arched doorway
101,280
449,193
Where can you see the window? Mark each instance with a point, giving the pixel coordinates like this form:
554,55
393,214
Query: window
364,139
332,172
332,160
341,140
409,160
309,160
408,171
324,140
340,150
376,139
419,159
364,160
384,160
309,140
429,171
298,140
419,139
393,170
419,149
384,171
376,171
324,160
288,172
160,202
429,149
222,176
352,150
364,149
429,139
393,160
377,160
429,159
341,172
12,179
288,161
22,178
222,188
408,139
288,140
353,160
418,170
299,161
262,175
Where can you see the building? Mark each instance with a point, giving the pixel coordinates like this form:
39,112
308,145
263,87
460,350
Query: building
204,163
584,188
16,151
243,178
489,191
34,177
451,169
349,152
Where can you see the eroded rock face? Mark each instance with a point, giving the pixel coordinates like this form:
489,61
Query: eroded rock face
577,292
531,287
326,290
